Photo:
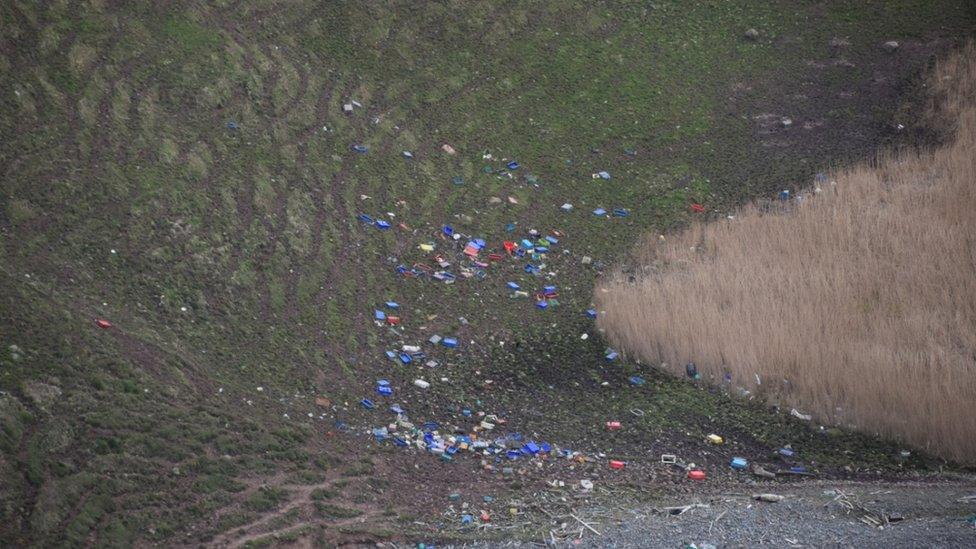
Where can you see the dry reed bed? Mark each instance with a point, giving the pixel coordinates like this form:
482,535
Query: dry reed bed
856,304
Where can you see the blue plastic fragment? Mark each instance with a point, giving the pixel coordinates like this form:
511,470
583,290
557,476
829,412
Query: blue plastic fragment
466,412
400,442
591,313
431,426
612,355
510,227
784,194
739,463
396,409
367,403
392,305
231,125
541,250
599,211
383,382
513,165
467,519
604,175
512,286
546,448
379,434
449,342
391,355
531,269
637,381
384,390
548,290
379,315
620,212
519,252
366,219
451,450
361,149
405,358
786,452
552,240
400,269
513,454
798,469
542,304
531,448
382,225
457,180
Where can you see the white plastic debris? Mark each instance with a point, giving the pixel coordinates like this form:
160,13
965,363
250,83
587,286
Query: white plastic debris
421,383
798,415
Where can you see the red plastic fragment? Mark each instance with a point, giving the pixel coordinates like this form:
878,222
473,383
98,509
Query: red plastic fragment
696,474
393,320
613,425
510,246
617,464
698,208
103,324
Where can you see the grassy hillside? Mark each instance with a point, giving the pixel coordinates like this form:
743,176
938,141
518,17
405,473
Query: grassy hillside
186,171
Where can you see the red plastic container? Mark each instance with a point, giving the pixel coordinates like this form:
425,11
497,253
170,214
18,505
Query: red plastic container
696,474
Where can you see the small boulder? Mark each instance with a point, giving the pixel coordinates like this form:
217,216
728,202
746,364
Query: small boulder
752,35
890,46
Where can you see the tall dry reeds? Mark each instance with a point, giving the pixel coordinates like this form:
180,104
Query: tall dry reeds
856,304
